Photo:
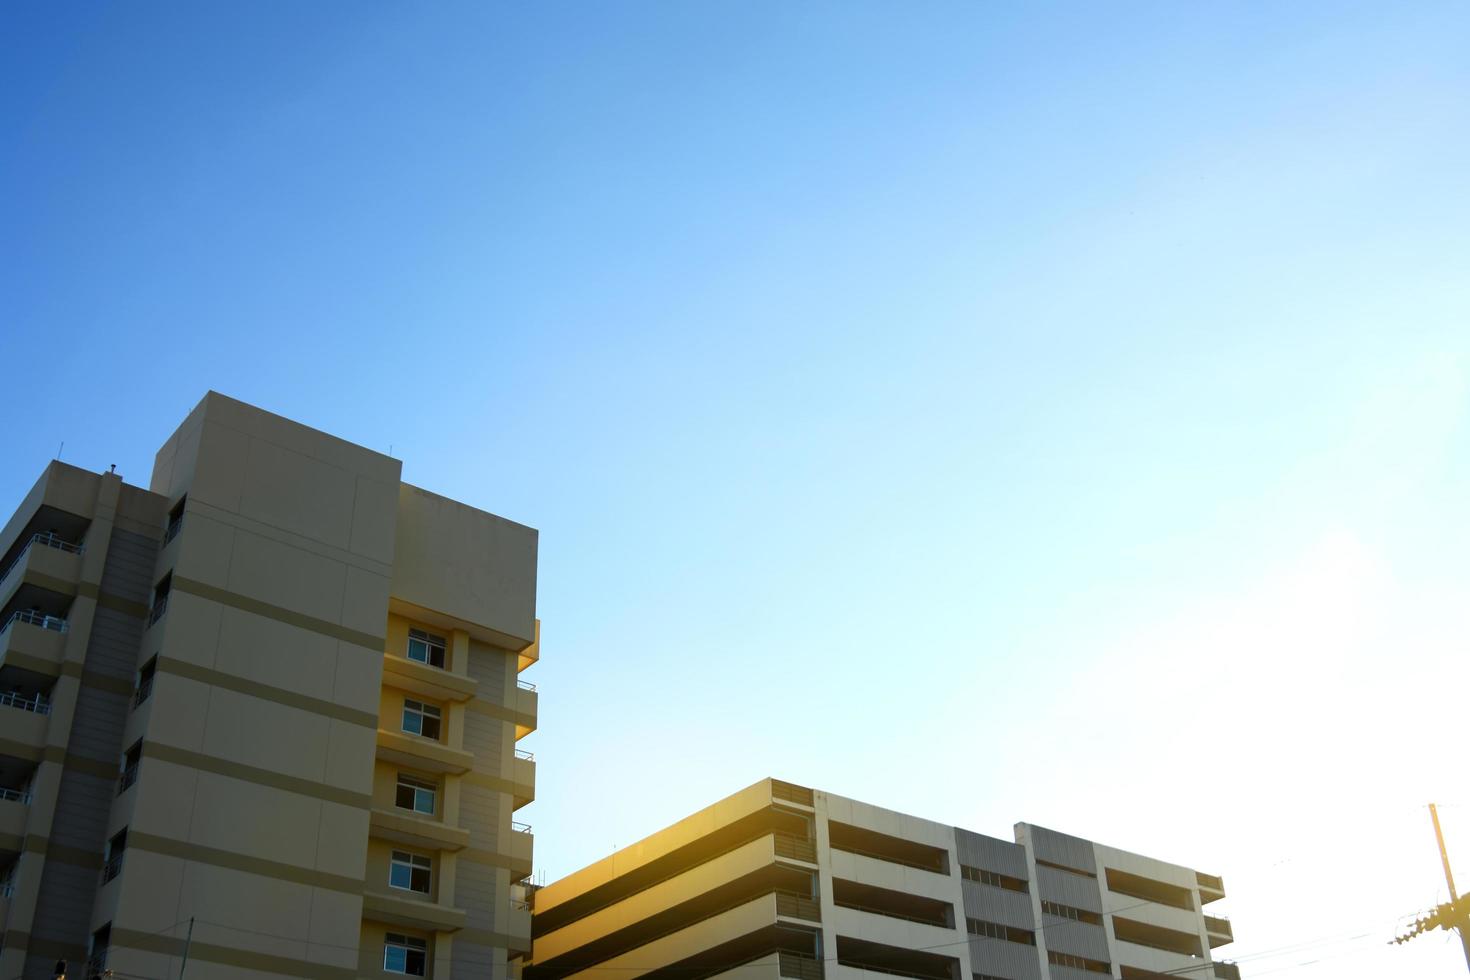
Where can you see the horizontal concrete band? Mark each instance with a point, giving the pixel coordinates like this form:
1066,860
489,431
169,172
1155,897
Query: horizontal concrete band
46,948
255,689
482,707
252,774
229,956
492,859
88,590
281,614
235,861
482,937
58,755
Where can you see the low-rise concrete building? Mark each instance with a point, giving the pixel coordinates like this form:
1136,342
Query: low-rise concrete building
780,880
268,708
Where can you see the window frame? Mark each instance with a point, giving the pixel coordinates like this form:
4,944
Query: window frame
416,785
408,945
424,711
413,863
431,642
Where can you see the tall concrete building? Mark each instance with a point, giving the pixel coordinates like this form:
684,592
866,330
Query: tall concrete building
785,881
266,709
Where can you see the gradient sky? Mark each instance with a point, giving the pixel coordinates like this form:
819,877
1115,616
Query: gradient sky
996,412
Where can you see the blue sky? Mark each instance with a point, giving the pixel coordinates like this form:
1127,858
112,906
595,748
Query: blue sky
1048,412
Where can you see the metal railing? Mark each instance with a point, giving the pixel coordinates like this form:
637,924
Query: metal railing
145,688
795,848
113,867
160,606
520,905
129,777
37,618
525,685
797,966
520,828
172,531
46,539
33,702
523,754
14,795
798,906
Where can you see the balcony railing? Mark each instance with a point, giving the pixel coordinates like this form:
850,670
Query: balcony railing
520,905
112,868
799,967
45,539
520,828
14,795
145,688
523,754
160,606
172,531
129,777
797,906
26,702
795,848
37,618
525,685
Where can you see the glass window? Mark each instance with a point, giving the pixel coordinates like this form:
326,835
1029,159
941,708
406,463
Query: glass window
426,648
411,872
421,719
416,794
404,954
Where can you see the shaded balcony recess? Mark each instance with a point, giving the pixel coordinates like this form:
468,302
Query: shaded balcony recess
897,850
15,778
770,820
1211,887
1226,970
1156,937
793,888
1139,973
894,904
49,522
776,938
860,954
1149,889
41,539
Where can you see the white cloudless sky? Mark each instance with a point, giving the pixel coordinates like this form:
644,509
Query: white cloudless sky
1049,412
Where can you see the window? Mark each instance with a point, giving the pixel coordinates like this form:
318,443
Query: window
411,872
426,648
160,598
404,954
97,949
416,794
145,681
995,878
175,520
421,719
130,761
115,849
994,930
1068,912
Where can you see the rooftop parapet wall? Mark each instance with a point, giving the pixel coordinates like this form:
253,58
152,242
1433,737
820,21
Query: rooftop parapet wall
463,568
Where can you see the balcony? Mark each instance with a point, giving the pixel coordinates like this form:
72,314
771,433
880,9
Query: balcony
525,706
519,848
403,827
523,776
1211,887
46,559
15,809
863,954
518,927
1226,970
421,753
411,913
1218,928
35,642
23,717
433,683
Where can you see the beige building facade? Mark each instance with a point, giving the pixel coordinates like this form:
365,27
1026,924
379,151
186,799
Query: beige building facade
783,881
267,709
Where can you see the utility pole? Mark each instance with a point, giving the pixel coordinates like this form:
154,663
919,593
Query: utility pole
1449,878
